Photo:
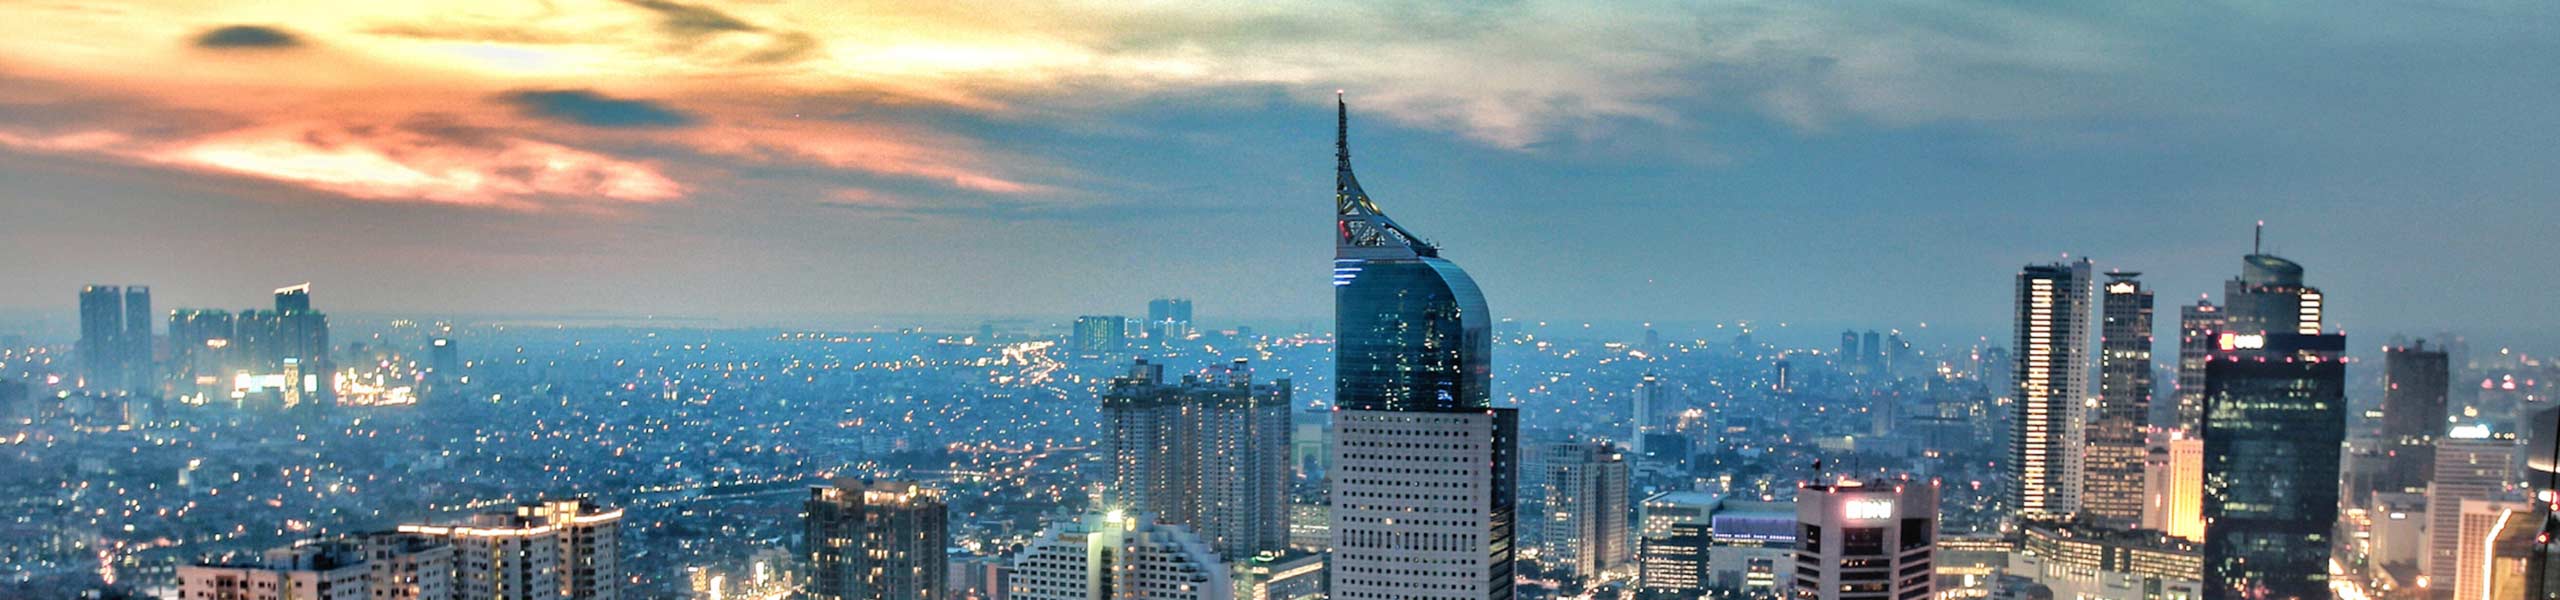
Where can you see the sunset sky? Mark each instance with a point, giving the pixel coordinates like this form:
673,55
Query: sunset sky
766,162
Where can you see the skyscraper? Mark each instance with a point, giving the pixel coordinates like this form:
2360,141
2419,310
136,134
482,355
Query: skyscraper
1168,319
1118,556
115,338
1415,431
1873,357
2117,440
1586,510
2199,325
1212,455
1875,539
1098,335
876,541
2275,414
2471,464
2174,476
2414,389
2269,297
102,335
444,368
294,299
2046,433
1646,399
140,376
1849,350
199,350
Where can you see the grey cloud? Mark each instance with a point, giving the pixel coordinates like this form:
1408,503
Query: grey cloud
248,37
586,107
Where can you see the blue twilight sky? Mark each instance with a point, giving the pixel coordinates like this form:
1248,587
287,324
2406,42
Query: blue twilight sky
1867,164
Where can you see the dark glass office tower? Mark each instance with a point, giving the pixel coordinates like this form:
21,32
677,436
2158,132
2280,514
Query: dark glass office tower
2275,414
2269,297
1414,428
2199,325
2415,385
2118,444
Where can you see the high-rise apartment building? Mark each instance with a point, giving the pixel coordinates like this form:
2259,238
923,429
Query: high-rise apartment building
200,352
402,566
115,348
2275,416
1168,319
1423,480
316,571
2047,430
301,334
498,556
368,566
1099,335
590,546
876,541
564,549
2414,389
1585,522
2200,326
2117,436
1866,540
1211,454
1118,556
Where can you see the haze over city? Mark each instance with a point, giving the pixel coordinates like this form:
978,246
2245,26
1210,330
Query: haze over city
787,163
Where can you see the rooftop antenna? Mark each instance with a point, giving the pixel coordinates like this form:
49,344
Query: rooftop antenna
1341,131
2258,240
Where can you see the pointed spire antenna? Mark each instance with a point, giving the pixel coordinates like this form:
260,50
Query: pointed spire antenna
2258,240
1341,132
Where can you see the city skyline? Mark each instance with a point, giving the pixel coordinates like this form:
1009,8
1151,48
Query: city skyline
996,301
1698,134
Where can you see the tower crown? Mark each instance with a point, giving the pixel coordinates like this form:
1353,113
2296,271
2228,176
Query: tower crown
1361,231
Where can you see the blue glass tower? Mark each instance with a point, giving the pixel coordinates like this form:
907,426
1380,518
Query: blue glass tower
1414,429
1412,328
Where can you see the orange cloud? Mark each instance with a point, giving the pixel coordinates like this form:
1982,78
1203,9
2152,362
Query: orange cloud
921,155
387,163
391,163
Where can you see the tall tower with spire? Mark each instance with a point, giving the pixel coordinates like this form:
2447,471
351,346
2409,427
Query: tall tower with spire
1424,483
